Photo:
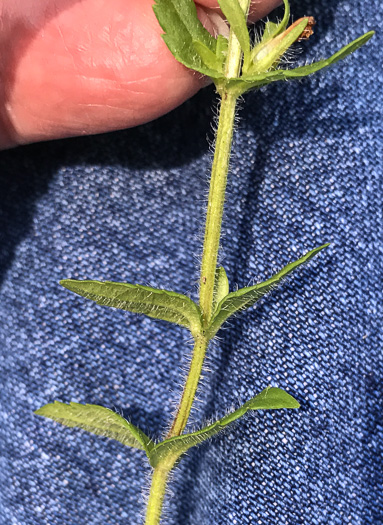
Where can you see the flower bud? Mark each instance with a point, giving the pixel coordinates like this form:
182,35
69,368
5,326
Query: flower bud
267,54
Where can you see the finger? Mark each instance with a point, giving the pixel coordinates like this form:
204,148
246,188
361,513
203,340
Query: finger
80,70
70,67
258,8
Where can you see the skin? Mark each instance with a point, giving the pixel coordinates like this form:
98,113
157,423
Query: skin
79,67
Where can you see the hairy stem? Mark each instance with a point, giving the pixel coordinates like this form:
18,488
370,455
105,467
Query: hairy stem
190,387
218,178
210,254
214,216
215,203
157,491
156,496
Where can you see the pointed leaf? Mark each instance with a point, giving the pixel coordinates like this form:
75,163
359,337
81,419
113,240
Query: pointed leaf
268,399
97,420
179,20
210,59
285,20
272,29
237,20
303,71
247,82
222,47
159,304
221,286
245,297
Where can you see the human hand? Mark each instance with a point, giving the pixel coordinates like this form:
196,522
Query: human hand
70,67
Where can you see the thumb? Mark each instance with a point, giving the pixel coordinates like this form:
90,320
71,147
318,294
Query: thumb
72,67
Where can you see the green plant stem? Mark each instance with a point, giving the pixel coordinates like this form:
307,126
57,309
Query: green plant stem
214,214
156,496
218,180
157,491
216,199
215,205
210,254
190,387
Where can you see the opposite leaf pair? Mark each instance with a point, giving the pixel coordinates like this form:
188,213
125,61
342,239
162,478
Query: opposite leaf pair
178,308
104,422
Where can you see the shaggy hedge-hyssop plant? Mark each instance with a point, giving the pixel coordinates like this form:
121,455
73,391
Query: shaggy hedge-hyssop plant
235,65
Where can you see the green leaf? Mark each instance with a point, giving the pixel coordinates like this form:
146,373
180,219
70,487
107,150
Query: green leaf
222,47
304,71
159,304
237,20
179,20
245,297
285,20
272,29
221,286
97,420
210,59
268,399
247,82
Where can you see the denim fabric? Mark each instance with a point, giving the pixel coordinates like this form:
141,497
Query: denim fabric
128,206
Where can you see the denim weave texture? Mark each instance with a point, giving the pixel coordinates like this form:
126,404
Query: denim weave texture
129,206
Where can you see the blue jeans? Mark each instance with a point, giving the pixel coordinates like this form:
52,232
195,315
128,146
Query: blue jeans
129,206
